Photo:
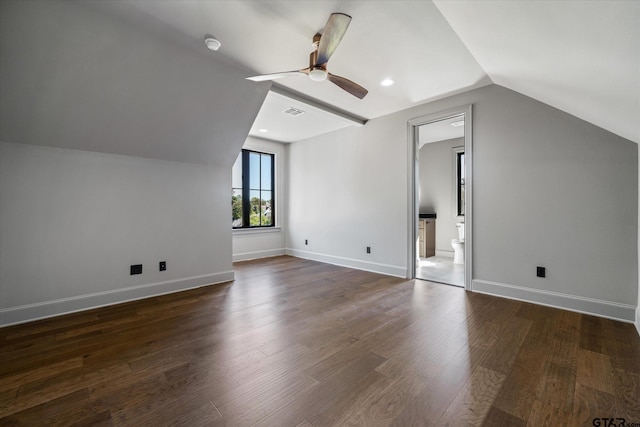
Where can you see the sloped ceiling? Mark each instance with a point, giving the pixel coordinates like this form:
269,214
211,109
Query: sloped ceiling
409,41
582,57
134,77
73,77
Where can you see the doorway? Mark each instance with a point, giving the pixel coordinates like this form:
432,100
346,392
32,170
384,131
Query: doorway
440,194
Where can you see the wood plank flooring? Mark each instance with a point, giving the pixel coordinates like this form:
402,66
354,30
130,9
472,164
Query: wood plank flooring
298,343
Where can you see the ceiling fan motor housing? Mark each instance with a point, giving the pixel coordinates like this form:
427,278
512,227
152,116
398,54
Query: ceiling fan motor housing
318,74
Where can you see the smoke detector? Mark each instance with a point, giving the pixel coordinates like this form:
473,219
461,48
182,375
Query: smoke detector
212,42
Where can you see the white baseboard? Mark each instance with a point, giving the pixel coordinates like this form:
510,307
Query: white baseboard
448,254
638,319
390,270
246,256
595,307
31,312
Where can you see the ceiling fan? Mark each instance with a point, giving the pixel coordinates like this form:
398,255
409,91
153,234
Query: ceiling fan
324,46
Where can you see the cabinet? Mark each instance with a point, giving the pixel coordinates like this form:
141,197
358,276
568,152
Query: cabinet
427,237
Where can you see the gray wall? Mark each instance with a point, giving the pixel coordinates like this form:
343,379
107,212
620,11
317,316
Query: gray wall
437,189
77,83
549,190
72,222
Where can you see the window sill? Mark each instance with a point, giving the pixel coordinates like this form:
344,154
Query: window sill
241,231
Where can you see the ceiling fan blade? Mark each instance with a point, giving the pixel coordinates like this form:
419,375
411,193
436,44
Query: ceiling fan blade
274,76
333,32
353,88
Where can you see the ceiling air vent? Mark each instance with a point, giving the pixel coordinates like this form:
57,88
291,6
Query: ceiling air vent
293,111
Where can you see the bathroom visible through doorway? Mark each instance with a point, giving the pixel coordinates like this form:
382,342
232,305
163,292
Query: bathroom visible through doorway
441,197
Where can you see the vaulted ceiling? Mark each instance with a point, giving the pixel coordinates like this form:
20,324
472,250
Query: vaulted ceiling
582,57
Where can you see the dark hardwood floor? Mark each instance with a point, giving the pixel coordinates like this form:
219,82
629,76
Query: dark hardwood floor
299,343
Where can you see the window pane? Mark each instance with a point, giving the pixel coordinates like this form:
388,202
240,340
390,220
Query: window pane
254,171
236,173
266,171
460,173
236,207
254,200
266,207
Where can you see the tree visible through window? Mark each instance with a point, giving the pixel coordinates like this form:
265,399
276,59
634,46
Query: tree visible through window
252,201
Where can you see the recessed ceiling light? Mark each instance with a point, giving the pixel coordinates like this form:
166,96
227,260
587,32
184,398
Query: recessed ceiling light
212,42
458,123
387,82
263,130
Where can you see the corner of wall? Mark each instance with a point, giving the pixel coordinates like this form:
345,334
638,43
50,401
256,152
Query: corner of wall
374,267
268,253
59,307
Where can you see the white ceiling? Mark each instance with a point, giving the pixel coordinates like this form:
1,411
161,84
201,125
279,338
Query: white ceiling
442,130
109,62
274,124
582,57
408,41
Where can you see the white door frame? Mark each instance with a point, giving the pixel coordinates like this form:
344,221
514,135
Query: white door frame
413,196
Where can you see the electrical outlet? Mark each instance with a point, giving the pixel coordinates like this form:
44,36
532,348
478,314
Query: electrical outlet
541,272
368,249
306,242
163,265
136,269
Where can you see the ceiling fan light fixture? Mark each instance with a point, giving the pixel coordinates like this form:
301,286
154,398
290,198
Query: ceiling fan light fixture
212,42
318,74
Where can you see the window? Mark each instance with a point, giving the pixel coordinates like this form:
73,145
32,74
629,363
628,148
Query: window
460,182
252,181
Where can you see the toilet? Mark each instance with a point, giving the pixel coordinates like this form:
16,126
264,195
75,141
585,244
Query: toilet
458,245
